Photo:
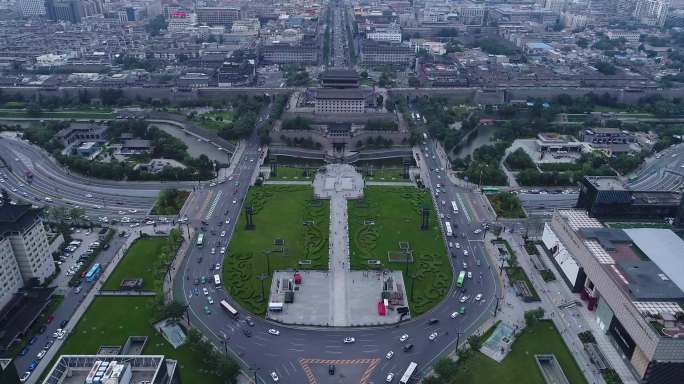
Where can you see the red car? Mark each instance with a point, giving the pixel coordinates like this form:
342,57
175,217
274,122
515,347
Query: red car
50,318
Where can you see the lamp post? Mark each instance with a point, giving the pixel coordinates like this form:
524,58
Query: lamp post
261,277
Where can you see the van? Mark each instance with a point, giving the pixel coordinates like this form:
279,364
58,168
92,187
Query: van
408,347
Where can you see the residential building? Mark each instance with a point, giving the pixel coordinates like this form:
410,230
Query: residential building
391,33
630,36
652,12
152,369
217,15
556,6
375,53
10,275
31,8
341,100
629,278
22,226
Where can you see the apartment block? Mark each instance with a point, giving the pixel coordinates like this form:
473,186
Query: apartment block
217,15
10,276
630,279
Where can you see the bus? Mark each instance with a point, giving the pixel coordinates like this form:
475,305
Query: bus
454,206
93,273
459,280
228,308
200,239
447,228
490,190
409,372
217,281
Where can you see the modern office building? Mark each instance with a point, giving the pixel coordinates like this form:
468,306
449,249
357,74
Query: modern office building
22,227
374,53
631,280
78,369
305,52
217,15
607,196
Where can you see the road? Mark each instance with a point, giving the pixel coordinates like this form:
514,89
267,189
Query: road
662,172
300,352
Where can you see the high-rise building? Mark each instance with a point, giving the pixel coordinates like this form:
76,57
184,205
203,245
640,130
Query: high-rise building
556,6
22,227
30,8
217,15
10,276
72,10
652,12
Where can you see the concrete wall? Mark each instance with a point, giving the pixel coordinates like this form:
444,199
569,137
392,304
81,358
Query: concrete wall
358,118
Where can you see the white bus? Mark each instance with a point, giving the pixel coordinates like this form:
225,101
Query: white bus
409,372
454,206
228,308
217,281
447,229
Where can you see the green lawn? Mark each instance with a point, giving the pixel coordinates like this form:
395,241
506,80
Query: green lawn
386,174
637,224
520,366
395,215
213,120
280,212
139,261
293,173
518,274
110,320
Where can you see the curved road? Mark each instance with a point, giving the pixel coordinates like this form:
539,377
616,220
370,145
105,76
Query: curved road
302,354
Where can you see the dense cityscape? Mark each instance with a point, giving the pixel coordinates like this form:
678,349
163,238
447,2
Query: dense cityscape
343,191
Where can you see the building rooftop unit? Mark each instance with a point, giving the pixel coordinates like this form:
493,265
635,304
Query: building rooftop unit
79,369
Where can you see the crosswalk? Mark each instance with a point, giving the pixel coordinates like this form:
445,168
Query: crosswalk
213,205
311,377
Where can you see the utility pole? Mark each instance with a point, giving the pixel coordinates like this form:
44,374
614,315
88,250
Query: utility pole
458,338
413,281
496,308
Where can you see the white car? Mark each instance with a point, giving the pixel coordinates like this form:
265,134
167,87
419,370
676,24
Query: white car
470,275
133,210
227,221
477,231
223,250
454,315
213,251
134,225
48,199
403,337
432,336
212,184
89,195
217,267
465,252
478,297
389,355
205,291
465,265
458,245
274,332
210,300
61,334
234,201
349,340
274,376
223,233
464,298
390,377
122,212
451,244
41,354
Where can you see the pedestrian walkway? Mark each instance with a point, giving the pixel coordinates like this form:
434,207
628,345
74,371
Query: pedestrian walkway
339,260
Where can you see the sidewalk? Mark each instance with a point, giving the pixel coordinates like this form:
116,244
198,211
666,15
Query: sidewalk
568,322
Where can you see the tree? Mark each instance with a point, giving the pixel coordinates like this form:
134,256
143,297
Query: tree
519,159
446,368
155,25
606,68
475,342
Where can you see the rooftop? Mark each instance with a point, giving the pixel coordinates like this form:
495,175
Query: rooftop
74,369
341,93
648,282
606,183
578,218
13,217
664,248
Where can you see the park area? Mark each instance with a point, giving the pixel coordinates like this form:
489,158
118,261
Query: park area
111,320
146,258
386,224
520,366
293,173
291,232
214,120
